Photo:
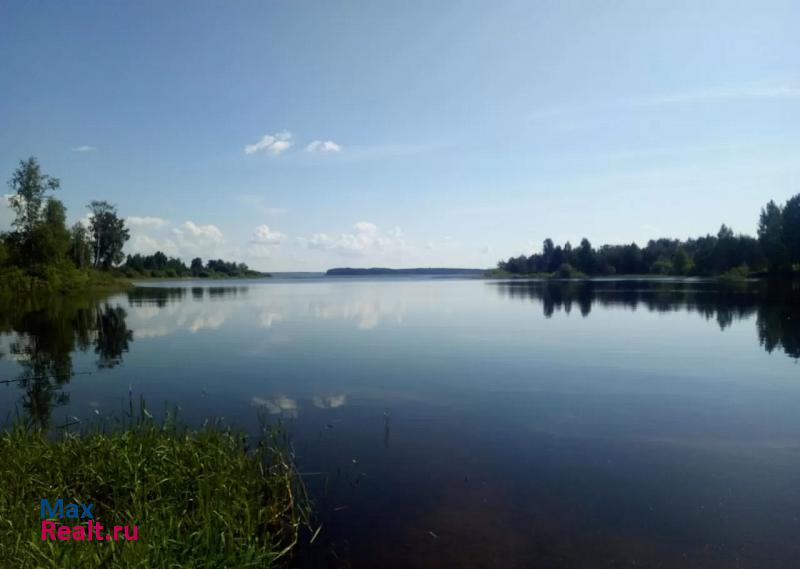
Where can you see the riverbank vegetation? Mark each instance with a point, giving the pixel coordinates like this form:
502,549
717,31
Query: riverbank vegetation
42,253
199,498
776,251
159,265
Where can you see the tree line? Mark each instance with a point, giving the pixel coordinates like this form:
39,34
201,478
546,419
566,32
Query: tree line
776,250
159,265
41,249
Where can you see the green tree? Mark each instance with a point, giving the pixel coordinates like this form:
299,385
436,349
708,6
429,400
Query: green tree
585,257
30,187
662,267
80,246
770,237
196,266
791,229
109,234
681,262
49,242
39,220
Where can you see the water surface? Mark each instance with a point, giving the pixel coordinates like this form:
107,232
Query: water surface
467,423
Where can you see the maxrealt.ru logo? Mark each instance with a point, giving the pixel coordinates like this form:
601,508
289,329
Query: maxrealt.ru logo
82,514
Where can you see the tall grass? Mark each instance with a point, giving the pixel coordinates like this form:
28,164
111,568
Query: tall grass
200,499
15,281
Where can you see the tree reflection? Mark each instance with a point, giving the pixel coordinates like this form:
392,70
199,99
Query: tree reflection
112,337
776,305
46,332
162,296
158,296
778,322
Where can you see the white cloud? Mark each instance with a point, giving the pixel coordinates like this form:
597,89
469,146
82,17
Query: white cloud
266,236
364,237
366,228
86,220
210,232
271,144
396,232
147,245
147,221
84,148
324,147
187,240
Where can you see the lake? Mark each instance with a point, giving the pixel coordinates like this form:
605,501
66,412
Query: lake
466,423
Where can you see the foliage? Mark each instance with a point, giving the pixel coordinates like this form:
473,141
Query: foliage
567,271
29,186
779,234
109,235
80,246
791,228
736,273
158,265
41,253
40,235
199,499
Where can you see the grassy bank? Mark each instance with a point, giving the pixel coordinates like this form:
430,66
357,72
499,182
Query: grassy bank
199,499
15,281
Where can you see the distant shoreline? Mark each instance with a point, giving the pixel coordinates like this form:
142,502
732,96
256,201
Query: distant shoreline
380,271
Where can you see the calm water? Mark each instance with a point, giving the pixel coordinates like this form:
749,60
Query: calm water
468,423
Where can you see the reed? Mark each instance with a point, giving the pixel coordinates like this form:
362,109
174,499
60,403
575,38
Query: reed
201,498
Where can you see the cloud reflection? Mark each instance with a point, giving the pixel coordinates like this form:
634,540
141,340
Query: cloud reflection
367,312
330,401
280,405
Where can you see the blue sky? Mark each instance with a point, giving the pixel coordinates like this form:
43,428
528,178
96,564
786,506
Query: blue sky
303,135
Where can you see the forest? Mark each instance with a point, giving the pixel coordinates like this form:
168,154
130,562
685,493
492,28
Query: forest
159,265
40,251
775,251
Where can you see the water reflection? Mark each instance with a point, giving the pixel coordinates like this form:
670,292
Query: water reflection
289,408
161,296
330,401
367,312
43,334
161,311
455,409
366,308
775,305
283,406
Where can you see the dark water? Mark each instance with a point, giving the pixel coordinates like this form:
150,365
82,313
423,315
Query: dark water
468,423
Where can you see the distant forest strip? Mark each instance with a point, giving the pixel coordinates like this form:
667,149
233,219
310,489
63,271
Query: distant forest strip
375,271
776,251
158,265
41,252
